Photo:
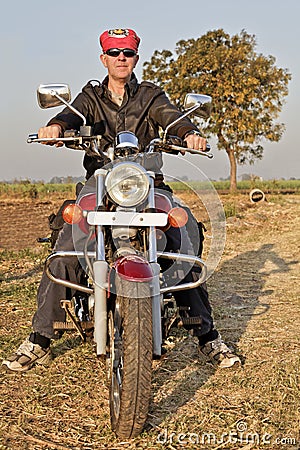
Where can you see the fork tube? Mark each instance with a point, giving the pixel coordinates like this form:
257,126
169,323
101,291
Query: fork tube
152,232
100,250
156,296
100,268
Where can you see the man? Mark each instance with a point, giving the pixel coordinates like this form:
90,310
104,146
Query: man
119,103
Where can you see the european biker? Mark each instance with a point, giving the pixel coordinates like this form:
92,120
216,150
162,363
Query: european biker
119,103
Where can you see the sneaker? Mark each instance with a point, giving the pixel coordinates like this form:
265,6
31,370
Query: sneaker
26,356
219,354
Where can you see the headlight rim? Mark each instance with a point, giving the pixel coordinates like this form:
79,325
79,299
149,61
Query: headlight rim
139,170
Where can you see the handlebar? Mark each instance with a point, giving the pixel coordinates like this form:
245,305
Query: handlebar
193,151
33,138
158,145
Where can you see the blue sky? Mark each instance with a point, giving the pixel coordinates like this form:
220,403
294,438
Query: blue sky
57,41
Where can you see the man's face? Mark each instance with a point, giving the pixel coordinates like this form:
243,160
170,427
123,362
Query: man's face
119,67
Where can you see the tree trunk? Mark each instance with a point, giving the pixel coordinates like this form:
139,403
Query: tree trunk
233,170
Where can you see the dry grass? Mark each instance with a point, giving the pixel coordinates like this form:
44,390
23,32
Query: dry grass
255,296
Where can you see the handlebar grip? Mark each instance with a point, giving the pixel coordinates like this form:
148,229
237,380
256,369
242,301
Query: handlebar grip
31,137
208,148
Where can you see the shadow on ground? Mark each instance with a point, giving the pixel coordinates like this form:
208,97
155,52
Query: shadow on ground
237,290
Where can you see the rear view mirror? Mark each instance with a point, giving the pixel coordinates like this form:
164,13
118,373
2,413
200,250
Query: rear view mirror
197,104
50,95
204,103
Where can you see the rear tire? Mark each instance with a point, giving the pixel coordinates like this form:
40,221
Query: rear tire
130,357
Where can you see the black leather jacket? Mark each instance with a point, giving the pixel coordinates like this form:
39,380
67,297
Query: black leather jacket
145,108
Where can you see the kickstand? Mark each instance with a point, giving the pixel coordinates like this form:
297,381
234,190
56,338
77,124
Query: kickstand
66,305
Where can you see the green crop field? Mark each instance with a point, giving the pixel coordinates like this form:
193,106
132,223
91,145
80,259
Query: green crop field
269,186
27,189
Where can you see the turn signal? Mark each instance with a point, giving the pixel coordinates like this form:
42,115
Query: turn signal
177,217
72,213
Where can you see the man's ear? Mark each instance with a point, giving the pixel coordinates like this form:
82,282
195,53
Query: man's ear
136,60
103,59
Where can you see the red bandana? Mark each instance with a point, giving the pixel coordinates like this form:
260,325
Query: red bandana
119,38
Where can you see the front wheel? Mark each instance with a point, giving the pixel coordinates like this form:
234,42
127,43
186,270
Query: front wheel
130,357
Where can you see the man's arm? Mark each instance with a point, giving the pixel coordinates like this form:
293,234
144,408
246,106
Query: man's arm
64,120
164,112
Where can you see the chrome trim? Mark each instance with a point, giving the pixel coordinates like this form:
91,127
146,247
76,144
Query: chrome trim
74,110
45,95
61,92
205,102
126,139
100,175
155,284
184,258
187,113
152,229
174,256
66,283
124,218
128,170
194,151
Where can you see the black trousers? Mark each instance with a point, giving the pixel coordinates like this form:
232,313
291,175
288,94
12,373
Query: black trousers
195,300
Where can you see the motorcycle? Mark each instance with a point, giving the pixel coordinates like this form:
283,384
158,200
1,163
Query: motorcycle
126,300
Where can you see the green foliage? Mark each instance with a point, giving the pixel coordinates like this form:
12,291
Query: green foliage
247,89
270,186
230,209
31,190
43,191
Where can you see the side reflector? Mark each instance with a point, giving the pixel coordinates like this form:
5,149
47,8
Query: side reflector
178,217
72,213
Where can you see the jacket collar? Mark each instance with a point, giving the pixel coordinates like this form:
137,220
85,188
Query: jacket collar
131,87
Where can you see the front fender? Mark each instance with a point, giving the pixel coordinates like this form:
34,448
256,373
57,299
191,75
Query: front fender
133,268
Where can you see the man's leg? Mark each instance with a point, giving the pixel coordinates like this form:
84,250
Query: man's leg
36,348
49,293
197,302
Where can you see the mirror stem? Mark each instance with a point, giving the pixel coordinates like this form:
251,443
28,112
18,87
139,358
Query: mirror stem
55,94
187,113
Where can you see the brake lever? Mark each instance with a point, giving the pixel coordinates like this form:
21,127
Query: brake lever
34,138
193,151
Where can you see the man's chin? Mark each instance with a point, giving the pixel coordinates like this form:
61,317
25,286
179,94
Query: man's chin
124,75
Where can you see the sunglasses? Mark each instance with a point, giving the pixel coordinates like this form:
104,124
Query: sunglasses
127,52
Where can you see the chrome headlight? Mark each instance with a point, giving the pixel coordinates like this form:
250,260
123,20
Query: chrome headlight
127,184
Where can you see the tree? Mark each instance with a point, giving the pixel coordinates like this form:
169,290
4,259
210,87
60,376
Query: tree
247,90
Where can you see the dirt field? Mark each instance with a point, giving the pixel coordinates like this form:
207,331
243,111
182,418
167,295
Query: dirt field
255,296
23,221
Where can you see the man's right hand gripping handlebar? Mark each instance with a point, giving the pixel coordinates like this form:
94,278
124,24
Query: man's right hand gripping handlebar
52,132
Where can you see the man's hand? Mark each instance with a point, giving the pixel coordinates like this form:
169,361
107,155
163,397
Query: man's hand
52,131
196,142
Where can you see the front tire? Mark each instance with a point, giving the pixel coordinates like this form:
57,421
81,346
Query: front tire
130,357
